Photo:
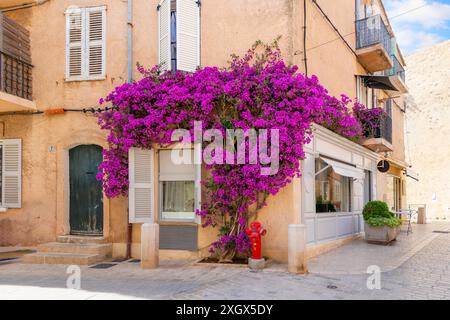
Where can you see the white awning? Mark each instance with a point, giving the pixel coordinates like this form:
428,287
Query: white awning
345,169
412,174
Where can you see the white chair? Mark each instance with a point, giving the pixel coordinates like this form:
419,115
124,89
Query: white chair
408,214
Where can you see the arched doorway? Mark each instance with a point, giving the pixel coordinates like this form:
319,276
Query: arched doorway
86,196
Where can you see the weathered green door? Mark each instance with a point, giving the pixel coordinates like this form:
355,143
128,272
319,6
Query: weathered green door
86,196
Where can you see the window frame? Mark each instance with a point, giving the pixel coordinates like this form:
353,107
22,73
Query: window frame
161,189
85,76
348,192
3,173
179,61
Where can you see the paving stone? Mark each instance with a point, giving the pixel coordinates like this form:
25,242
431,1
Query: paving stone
424,275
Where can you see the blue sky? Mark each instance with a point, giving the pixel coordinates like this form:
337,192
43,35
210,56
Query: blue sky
422,27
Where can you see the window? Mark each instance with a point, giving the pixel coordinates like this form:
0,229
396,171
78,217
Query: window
177,188
85,43
361,91
173,35
365,95
333,191
10,173
179,35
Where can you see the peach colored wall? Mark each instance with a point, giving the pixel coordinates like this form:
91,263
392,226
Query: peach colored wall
398,130
334,63
227,26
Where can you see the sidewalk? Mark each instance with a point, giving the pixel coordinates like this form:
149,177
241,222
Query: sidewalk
425,275
355,257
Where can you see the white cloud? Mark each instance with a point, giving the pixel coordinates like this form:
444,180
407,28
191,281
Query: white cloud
431,14
418,23
410,40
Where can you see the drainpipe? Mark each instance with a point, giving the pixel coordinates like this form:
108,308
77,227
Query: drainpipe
305,57
130,40
130,79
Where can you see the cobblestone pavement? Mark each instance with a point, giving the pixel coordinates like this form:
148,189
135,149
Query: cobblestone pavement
355,257
426,275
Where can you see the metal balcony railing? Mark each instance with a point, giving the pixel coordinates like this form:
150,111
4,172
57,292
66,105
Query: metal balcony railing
396,70
371,31
15,76
383,129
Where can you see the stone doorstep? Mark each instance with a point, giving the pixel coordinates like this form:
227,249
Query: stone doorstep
80,239
77,250
62,258
103,249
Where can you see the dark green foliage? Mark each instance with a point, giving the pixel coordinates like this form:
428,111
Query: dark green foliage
377,214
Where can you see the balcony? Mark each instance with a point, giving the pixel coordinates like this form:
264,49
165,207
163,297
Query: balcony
380,139
373,44
397,76
15,68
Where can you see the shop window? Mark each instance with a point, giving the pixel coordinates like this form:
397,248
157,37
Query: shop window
333,191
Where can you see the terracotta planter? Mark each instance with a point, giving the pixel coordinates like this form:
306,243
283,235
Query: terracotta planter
383,235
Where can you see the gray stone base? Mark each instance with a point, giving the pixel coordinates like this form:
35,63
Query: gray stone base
256,264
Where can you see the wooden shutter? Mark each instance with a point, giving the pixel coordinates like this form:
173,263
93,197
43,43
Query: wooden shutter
164,55
141,198
85,43
95,42
188,35
12,173
74,43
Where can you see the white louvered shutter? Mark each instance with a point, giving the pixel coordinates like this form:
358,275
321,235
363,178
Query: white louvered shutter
164,56
12,173
95,42
74,43
188,35
140,195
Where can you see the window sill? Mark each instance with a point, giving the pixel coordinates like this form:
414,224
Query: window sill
177,223
102,78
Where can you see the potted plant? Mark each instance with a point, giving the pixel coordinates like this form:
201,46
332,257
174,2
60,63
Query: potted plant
381,225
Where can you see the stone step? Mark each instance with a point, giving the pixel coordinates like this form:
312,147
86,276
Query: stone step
102,249
80,239
62,258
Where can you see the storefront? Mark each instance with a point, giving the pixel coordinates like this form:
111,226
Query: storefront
339,177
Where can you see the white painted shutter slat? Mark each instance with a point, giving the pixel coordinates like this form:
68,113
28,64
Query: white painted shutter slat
188,35
141,199
95,38
164,56
12,173
74,43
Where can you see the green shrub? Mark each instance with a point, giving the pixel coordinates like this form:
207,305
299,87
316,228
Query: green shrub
392,222
376,209
377,214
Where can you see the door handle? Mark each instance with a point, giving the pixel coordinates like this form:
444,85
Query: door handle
90,172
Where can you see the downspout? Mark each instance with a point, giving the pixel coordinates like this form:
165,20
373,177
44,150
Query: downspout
130,40
305,59
130,79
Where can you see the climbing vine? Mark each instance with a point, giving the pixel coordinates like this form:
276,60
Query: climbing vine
256,91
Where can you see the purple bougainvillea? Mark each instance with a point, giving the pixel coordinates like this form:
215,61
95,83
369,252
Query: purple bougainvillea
256,91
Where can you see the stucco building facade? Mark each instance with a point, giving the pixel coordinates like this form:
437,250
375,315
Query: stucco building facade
82,49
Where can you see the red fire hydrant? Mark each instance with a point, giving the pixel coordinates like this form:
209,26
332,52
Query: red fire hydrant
254,232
